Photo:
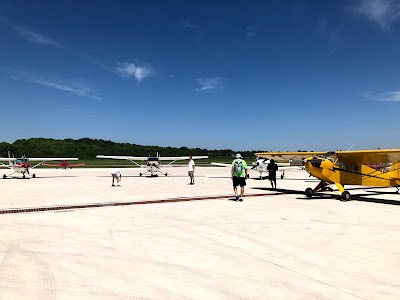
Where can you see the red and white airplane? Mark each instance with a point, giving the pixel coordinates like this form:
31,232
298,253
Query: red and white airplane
64,165
22,165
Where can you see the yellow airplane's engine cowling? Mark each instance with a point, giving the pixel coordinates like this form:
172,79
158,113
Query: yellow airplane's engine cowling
321,169
328,173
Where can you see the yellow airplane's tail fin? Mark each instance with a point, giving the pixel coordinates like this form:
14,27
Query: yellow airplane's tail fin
395,168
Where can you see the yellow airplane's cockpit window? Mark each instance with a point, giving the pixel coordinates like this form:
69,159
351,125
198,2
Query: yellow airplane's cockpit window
316,162
348,166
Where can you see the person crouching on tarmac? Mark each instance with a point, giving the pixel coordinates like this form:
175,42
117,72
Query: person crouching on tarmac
116,175
239,175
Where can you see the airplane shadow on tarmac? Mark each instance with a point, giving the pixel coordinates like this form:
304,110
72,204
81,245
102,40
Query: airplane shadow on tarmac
40,177
359,197
134,176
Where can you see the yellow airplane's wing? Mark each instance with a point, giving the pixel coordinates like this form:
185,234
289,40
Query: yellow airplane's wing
368,157
290,155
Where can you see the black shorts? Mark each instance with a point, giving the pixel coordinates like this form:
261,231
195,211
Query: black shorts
272,175
239,181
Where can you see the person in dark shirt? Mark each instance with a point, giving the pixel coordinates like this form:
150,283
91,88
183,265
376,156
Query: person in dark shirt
272,168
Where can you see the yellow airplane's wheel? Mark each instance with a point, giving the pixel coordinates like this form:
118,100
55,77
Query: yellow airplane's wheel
140,174
34,175
166,174
345,196
308,192
4,176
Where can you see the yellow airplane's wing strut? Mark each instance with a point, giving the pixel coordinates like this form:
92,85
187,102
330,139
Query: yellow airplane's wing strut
340,187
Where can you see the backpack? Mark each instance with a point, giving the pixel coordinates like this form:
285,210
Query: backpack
238,167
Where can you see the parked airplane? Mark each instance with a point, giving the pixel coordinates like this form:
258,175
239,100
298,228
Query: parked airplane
347,168
153,163
22,165
260,165
64,164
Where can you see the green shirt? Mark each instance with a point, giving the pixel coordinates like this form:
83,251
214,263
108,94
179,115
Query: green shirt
244,167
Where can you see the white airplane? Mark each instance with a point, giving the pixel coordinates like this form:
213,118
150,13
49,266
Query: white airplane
22,165
260,165
153,163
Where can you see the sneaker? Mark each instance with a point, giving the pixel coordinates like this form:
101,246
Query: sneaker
240,199
113,185
237,197
118,185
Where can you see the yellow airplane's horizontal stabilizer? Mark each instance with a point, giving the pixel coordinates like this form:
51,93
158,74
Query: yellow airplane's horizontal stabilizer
395,171
395,167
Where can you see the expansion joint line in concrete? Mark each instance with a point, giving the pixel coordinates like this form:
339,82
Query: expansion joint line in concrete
107,204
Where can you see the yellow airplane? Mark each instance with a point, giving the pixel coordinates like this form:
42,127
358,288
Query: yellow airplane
361,167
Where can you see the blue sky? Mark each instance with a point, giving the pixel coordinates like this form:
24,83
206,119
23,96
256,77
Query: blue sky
244,75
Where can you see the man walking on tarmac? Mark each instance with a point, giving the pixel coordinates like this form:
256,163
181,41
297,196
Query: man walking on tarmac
239,175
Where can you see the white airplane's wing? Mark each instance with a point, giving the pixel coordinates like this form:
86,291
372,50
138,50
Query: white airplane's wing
228,165
123,157
287,167
181,157
6,159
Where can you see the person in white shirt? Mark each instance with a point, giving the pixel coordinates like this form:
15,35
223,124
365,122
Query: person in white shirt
116,174
191,167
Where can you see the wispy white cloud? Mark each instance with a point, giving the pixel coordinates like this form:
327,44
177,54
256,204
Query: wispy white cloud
384,96
36,37
209,84
382,12
66,110
251,32
30,35
76,87
189,25
133,70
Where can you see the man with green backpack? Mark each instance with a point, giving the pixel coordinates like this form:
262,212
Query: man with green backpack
239,175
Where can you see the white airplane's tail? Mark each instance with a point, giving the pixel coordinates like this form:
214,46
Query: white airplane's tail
9,158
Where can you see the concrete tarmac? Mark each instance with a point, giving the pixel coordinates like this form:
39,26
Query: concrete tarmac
68,234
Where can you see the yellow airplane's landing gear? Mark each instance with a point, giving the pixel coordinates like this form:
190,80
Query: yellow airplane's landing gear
309,192
23,175
345,196
321,187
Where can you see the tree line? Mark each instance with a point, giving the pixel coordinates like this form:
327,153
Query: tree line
87,148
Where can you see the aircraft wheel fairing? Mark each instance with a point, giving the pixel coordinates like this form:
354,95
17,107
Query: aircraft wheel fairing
34,175
4,176
308,192
345,196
